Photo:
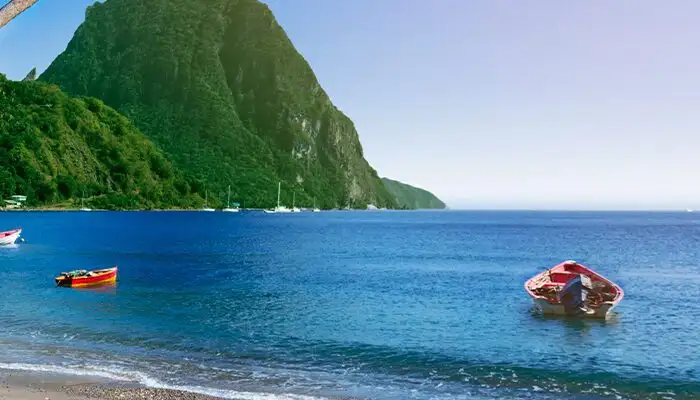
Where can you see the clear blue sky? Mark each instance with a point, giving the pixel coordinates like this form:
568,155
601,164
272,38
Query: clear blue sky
488,103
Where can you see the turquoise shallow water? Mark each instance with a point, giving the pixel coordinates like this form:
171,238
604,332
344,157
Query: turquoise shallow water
385,305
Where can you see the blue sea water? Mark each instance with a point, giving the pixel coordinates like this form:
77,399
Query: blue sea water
381,305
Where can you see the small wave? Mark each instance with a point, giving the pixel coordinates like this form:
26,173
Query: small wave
120,375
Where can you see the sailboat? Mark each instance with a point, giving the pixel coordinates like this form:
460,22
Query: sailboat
82,203
295,209
279,208
228,203
315,209
206,202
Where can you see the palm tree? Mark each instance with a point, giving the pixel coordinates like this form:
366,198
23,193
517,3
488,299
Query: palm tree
12,9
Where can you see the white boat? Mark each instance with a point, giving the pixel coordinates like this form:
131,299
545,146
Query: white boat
315,209
228,203
279,209
9,237
206,202
82,203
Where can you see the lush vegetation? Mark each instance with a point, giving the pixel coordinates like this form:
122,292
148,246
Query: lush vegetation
411,197
54,149
218,86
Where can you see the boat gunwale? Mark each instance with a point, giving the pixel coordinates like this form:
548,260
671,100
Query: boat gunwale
10,232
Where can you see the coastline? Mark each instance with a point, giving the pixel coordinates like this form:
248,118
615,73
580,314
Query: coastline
242,210
22,385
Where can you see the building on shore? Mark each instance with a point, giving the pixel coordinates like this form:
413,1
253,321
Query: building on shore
16,201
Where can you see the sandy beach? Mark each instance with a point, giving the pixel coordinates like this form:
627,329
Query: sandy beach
22,386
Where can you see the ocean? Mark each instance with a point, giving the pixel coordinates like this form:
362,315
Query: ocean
377,305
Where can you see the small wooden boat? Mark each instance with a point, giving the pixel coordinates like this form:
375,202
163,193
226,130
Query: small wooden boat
82,278
9,237
573,289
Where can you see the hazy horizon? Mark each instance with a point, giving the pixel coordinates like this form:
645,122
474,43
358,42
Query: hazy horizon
543,105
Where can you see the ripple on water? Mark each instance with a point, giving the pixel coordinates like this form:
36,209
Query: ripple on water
417,305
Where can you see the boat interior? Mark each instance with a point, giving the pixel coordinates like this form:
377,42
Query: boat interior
85,273
549,283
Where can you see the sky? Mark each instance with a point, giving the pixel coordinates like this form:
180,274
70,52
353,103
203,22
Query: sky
489,103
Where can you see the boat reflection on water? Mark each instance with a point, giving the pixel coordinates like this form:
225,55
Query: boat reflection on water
109,288
574,326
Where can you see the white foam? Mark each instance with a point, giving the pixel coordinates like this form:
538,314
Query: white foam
118,374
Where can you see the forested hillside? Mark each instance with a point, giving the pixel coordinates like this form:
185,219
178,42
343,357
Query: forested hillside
54,148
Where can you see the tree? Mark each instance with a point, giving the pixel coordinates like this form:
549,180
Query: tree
12,9
7,184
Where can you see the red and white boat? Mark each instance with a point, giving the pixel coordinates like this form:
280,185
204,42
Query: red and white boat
84,278
573,289
9,237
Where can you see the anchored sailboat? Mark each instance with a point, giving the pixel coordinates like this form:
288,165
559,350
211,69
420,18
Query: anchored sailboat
279,208
228,203
82,203
295,209
206,202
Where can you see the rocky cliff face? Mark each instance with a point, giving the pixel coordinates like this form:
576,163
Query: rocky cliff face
218,86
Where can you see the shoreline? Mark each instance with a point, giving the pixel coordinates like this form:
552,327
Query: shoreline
52,209
242,210
24,385
38,384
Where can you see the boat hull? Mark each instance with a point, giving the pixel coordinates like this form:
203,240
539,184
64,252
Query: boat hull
231,210
100,277
279,210
557,276
548,308
9,237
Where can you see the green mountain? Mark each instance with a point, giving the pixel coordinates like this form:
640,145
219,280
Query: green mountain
218,86
54,148
411,197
